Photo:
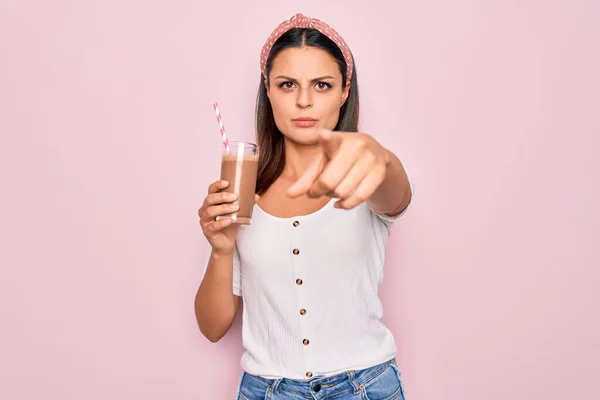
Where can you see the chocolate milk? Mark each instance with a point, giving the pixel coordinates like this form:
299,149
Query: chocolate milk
241,172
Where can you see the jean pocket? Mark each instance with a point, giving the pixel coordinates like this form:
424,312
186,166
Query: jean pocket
251,388
386,386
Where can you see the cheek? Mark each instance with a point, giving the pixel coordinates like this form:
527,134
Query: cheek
281,106
281,111
331,102
331,109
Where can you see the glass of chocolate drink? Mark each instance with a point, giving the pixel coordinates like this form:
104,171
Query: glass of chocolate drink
239,166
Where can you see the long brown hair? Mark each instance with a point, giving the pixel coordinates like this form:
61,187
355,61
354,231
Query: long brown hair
270,140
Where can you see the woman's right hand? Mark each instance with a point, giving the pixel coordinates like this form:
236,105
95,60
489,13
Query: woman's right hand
220,234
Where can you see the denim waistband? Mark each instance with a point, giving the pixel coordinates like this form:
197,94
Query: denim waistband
323,387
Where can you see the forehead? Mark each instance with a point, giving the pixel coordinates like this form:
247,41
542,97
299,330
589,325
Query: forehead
305,61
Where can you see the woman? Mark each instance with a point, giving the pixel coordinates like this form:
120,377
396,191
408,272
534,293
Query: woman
309,267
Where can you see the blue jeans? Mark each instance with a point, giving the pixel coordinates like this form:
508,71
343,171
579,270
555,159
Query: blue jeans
381,382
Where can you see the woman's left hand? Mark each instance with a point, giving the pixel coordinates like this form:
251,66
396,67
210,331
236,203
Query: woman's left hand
351,168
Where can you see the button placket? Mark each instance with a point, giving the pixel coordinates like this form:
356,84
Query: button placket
297,254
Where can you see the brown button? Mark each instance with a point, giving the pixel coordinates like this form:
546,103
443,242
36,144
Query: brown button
298,281
296,251
303,312
309,374
296,224
305,342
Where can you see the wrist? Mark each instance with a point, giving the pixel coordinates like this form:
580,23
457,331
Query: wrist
221,254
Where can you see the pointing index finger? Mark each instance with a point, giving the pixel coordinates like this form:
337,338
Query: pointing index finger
306,180
330,141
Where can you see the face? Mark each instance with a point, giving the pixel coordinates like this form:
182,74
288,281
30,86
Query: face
305,91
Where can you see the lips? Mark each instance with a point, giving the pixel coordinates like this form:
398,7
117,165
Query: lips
305,121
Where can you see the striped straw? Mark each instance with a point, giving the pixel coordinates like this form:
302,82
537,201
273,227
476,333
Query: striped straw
220,121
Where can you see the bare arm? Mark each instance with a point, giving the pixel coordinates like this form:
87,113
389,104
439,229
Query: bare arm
215,303
393,194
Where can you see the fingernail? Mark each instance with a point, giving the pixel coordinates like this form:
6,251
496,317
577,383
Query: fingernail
224,183
231,196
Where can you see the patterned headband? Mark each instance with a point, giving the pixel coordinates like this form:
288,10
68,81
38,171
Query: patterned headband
300,21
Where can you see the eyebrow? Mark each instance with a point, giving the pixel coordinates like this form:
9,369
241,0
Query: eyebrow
321,78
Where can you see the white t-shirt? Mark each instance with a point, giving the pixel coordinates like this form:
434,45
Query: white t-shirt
309,286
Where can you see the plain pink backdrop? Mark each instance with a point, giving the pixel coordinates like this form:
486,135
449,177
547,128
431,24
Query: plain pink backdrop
108,141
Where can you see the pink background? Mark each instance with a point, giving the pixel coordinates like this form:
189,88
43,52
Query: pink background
108,141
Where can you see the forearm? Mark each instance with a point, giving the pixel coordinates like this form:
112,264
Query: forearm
394,194
215,304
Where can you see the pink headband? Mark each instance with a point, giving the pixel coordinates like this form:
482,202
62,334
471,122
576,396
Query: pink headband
300,21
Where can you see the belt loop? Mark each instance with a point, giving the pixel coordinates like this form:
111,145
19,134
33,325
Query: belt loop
275,385
357,388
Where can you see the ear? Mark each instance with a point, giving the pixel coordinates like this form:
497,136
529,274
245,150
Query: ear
267,87
346,93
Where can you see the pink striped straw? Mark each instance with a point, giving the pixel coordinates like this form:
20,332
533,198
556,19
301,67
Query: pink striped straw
220,121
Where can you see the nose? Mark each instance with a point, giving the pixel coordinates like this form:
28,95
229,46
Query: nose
304,99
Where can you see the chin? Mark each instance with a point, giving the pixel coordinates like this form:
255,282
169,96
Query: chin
305,136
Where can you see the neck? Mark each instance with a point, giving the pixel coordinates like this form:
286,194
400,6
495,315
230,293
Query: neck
298,157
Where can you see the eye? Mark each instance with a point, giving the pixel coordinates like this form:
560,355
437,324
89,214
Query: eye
323,85
287,85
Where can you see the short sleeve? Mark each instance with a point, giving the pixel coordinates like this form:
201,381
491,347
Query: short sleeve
237,272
